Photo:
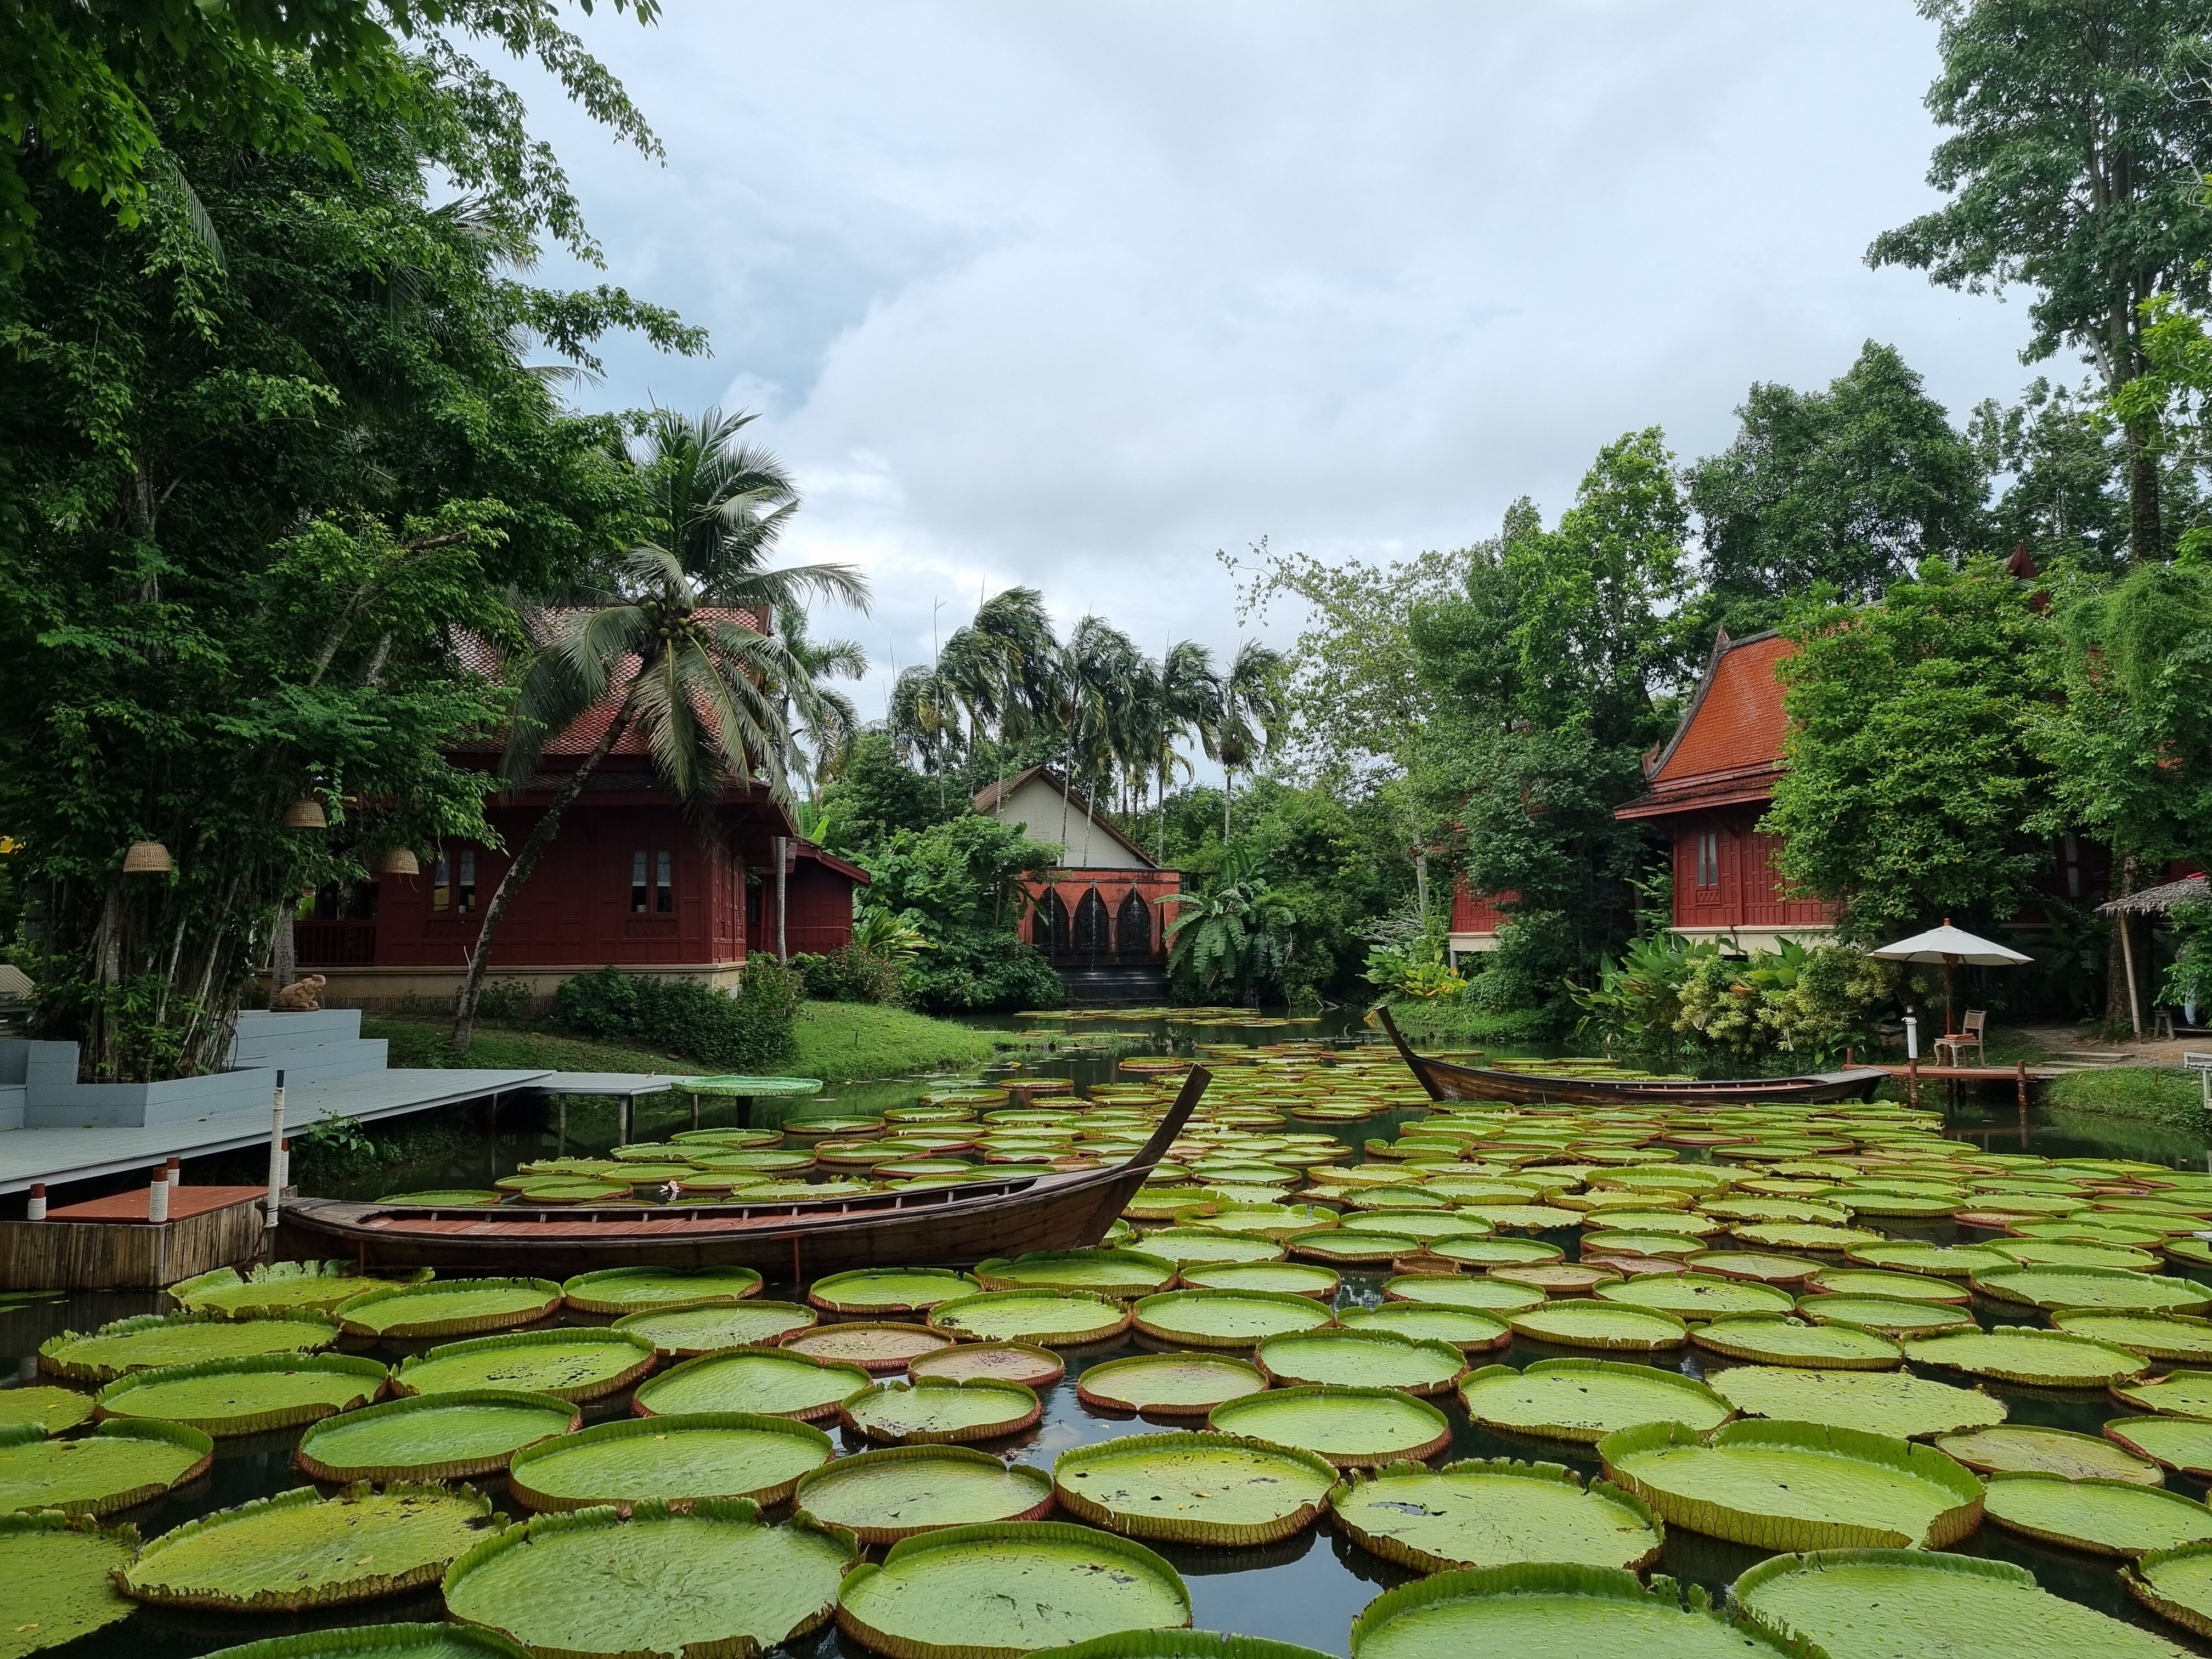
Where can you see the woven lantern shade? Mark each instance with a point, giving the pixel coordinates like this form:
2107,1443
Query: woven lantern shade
401,862
305,813
147,858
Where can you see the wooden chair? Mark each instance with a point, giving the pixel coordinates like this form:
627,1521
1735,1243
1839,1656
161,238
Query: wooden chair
1952,1049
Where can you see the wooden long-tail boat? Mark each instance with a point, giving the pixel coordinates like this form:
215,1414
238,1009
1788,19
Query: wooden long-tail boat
1447,1082
789,1241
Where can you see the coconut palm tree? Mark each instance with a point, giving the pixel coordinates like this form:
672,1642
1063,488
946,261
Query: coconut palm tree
1100,666
669,651
924,719
1008,659
828,741
1252,712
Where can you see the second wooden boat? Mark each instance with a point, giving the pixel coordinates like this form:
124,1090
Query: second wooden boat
793,1241
1445,1082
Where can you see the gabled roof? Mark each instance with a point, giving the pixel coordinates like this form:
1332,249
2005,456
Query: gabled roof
1728,750
987,800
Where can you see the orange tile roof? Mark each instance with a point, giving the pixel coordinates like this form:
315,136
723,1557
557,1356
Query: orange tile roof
1728,749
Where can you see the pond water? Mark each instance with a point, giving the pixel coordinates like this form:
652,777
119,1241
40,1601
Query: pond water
1307,1590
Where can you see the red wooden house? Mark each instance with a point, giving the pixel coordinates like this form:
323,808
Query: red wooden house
1708,786
629,880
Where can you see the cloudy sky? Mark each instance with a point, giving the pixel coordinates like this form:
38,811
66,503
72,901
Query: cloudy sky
1074,294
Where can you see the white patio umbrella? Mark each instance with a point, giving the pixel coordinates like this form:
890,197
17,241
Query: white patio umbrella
1950,946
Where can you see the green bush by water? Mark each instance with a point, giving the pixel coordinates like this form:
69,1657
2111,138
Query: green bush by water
747,1030
2147,1094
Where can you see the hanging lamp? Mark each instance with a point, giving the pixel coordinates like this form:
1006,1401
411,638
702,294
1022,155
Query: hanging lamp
147,858
401,862
305,813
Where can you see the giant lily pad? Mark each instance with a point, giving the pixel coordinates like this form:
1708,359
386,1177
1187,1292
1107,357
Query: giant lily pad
2104,1290
1002,1362
281,1287
1066,1319
2013,1353
1180,1644
1884,1315
298,1550
1603,1325
1586,1400
1227,1319
1123,1273
874,1346
938,1411
117,1466
436,1436
54,1410
680,1458
57,1569
1465,1329
896,1491
1943,1261
457,1307
1882,1604
770,1380
443,1641
1186,1246
1193,1488
633,1289
1771,1342
2105,1517
2064,1252
1891,1286
2175,1583
2177,1338
1797,1485
1346,1247
1695,1296
1470,1251
1353,1428
709,1581
1552,1608
2024,1446
1271,1278
2179,1443
1169,1384
1874,1402
151,1340
891,1289
1474,1294
1494,1514
1002,1590
1757,1265
261,1392
574,1364
1361,1360
2183,1394
680,1332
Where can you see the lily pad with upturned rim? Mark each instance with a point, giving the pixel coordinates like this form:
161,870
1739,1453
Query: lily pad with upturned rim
1891,1285
1119,1273
2180,1393
1491,1514
55,1410
117,1466
772,1382
432,1436
874,1347
1361,1360
1478,1293
1607,1326
2176,1338
454,1307
895,1493
2104,1517
283,1287
440,1641
675,1459
1943,1261
2183,1444
1464,1329
1227,1319
1004,1589
1484,1252
58,1570
300,1550
1874,1402
681,1333
1880,1604
1190,1487
1004,1362
1769,1341
1179,1644
575,1364
1353,1428
181,1338
1884,1315
1695,1296
940,1411
2017,1447
1186,1246
891,1289
1066,1319
634,1289
2175,1584
2033,1359
229,1397
711,1581
1273,1277
2101,1290
1785,1485
1585,1399
1169,1384
1545,1608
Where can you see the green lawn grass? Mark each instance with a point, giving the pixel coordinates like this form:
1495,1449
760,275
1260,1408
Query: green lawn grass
838,1043
2149,1094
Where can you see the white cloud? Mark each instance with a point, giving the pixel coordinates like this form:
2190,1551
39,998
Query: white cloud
1076,293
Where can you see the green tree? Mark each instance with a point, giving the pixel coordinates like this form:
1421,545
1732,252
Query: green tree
1234,931
958,883
710,694
1914,787
1850,487
2060,455
2081,139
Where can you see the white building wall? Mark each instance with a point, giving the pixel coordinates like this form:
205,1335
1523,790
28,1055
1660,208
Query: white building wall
1038,805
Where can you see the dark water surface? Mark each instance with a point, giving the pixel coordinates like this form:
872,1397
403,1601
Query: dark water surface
1306,1589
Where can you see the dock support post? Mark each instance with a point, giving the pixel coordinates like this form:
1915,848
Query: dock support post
276,1168
622,1122
561,1145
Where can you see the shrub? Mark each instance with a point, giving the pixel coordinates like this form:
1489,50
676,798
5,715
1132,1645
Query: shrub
747,1030
852,974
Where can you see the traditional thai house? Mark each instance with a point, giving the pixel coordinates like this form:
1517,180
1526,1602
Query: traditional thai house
629,880
1707,786
1097,914
1475,920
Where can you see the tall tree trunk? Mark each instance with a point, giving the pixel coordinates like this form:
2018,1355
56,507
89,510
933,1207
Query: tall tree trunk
540,837
283,949
2146,531
1228,793
2119,979
782,860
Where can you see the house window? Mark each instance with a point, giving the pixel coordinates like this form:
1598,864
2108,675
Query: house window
2073,867
440,893
464,890
1709,858
651,882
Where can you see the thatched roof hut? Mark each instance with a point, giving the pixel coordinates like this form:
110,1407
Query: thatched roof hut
2157,901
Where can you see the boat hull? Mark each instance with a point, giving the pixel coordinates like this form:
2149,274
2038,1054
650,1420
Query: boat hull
1447,1082
949,1227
